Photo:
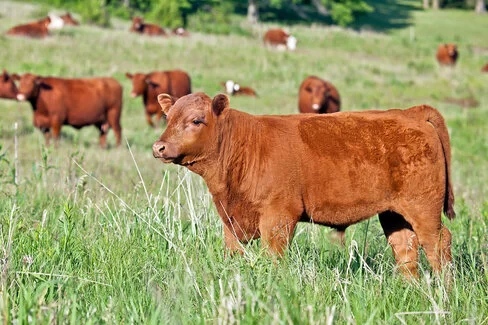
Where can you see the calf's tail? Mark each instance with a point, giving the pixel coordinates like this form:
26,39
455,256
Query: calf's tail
432,116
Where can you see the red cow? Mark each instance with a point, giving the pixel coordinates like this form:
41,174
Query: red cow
38,29
8,89
266,173
234,89
69,20
75,102
139,26
447,54
485,68
280,39
174,82
318,96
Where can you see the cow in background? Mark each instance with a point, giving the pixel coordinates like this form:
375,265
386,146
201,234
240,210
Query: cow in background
233,88
75,102
8,89
318,96
485,68
280,39
139,26
69,20
150,85
447,54
38,29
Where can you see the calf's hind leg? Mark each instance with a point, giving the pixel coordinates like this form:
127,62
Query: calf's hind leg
113,118
403,242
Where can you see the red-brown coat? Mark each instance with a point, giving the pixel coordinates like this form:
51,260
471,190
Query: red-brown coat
149,85
280,38
8,88
485,68
69,20
234,89
38,29
75,102
139,26
266,173
447,54
318,96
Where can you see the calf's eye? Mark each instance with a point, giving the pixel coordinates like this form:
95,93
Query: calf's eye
197,122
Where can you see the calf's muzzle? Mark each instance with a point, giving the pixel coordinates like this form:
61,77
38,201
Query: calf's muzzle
158,149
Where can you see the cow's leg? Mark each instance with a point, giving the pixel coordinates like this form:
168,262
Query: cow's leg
276,231
232,243
403,242
113,118
103,128
56,131
47,135
338,235
149,119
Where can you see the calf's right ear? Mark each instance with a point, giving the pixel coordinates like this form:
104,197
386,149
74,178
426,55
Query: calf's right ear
166,101
15,76
219,104
128,75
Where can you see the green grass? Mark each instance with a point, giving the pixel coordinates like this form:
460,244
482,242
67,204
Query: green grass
92,236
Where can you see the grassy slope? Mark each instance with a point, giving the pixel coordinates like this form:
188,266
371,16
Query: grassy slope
152,251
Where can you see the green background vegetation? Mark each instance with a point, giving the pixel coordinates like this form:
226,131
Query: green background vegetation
92,236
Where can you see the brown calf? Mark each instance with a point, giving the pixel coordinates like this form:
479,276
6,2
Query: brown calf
174,82
318,96
280,39
235,89
485,68
69,20
75,102
266,173
447,54
38,29
8,89
139,26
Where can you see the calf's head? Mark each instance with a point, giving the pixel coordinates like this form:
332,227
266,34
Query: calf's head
137,23
29,86
7,85
191,135
140,83
451,49
318,93
69,20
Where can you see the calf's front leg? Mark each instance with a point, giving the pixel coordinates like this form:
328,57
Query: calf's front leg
277,230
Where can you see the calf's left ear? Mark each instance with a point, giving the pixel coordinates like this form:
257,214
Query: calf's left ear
219,104
165,101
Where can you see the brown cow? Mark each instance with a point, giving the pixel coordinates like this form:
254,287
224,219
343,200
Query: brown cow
234,89
75,102
266,173
447,54
485,68
318,96
139,26
69,20
174,82
38,29
8,89
280,39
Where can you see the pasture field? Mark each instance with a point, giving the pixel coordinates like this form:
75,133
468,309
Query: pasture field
91,236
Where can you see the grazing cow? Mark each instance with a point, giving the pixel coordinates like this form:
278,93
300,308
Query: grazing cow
69,20
174,82
447,54
139,26
266,173
233,89
485,68
180,31
75,102
318,96
38,29
280,39
8,90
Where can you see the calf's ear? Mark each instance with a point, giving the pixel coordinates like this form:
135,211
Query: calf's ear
166,101
128,75
15,76
219,104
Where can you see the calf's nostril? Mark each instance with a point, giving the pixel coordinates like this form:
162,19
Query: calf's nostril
161,149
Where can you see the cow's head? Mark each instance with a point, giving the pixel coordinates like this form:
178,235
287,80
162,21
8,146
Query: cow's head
137,23
7,85
140,83
69,20
317,91
29,86
191,133
451,49
231,87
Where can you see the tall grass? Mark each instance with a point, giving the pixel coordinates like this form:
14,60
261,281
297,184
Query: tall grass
113,236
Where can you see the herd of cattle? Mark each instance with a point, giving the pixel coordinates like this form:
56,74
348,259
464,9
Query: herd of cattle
266,173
